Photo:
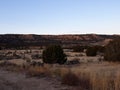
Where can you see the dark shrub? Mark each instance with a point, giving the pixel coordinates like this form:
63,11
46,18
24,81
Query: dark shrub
91,51
78,48
100,49
54,54
73,62
112,52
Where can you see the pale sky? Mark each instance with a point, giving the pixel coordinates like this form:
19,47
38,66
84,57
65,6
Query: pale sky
59,16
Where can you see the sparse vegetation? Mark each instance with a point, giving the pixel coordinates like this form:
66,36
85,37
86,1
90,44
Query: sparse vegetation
70,79
84,76
38,71
36,56
54,54
6,63
103,77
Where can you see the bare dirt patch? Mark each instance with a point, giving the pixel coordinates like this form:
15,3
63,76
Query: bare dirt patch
15,81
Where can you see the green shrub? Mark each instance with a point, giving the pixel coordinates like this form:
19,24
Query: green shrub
112,52
54,54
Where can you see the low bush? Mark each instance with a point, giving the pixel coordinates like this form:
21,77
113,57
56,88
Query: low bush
54,54
91,51
79,48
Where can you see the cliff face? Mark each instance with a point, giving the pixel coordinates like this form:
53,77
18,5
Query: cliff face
38,40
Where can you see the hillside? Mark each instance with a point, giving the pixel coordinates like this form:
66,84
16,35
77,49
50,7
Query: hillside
10,40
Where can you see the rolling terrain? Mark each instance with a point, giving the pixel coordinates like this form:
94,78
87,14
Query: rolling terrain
26,40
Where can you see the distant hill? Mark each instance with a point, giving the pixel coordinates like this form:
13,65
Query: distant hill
17,40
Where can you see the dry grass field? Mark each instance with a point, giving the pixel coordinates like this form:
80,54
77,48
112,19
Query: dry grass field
91,73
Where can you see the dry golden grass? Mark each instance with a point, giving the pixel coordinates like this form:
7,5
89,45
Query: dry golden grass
38,71
102,76
46,70
70,79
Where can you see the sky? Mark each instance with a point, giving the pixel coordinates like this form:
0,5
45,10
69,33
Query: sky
59,16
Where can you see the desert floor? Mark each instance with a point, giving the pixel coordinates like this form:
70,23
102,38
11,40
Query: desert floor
18,81
101,74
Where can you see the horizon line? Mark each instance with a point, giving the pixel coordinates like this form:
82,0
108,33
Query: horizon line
57,34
